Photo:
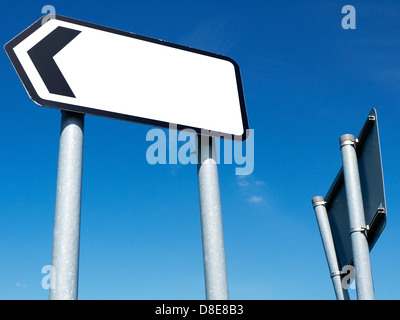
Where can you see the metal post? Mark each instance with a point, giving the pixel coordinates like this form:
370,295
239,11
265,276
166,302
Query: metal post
215,274
359,243
329,247
65,256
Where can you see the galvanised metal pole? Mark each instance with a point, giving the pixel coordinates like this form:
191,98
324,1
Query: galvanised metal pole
359,243
65,256
329,247
216,281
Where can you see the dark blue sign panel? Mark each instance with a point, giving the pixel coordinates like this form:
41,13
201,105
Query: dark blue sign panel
373,193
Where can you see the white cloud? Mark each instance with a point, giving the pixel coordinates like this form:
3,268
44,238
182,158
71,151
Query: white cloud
256,199
242,181
19,284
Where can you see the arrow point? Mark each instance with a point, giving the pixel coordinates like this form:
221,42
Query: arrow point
42,55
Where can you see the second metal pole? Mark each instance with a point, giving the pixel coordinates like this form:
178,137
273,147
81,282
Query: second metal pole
329,247
359,243
215,274
65,256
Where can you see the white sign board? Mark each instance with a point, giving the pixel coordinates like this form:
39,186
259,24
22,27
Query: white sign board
77,66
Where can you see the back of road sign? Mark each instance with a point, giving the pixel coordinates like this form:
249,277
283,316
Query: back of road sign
373,193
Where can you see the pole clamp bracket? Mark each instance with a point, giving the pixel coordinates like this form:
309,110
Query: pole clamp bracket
319,203
360,229
347,143
336,273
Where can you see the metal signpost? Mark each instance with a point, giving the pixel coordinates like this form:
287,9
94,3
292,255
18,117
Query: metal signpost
358,228
83,68
356,204
211,221
65,257
329,247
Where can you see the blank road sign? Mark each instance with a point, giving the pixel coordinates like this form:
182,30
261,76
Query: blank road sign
82,67
373,192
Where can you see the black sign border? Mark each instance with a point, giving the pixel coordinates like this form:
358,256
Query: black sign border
81,109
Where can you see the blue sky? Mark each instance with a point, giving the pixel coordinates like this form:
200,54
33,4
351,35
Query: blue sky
306,82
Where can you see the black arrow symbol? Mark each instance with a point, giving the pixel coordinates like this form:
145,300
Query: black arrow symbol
42,57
